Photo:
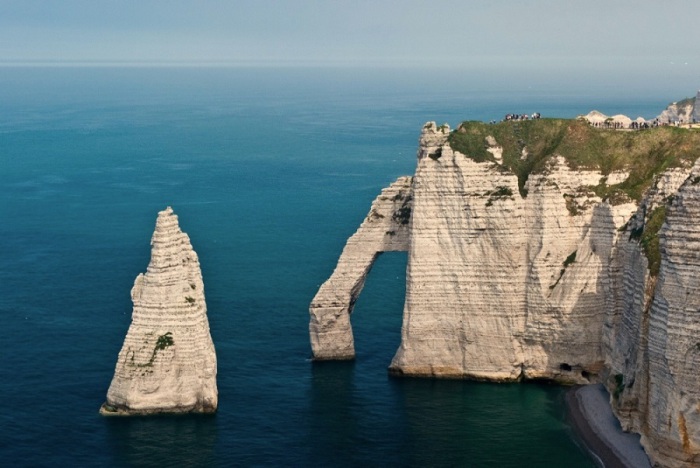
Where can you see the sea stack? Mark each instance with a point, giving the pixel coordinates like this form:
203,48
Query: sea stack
167,363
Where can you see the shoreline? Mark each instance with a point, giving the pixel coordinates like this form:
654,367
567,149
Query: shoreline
592,420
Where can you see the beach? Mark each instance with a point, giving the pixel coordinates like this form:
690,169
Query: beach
593,421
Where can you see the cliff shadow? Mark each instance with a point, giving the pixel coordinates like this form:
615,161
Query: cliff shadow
575,352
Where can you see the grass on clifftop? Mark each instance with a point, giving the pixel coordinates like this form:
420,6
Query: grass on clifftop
643,153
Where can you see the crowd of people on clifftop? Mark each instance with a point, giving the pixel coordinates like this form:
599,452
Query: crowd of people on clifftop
641,125
606,124
510,117
634,125
610,124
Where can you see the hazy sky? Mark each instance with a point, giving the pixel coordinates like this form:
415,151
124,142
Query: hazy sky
632,34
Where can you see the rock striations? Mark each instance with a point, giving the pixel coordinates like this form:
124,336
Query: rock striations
545,250
167,363
502,287
654,354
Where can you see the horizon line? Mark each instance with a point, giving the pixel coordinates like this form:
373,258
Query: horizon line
221,63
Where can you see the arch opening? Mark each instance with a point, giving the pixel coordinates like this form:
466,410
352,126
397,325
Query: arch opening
378,312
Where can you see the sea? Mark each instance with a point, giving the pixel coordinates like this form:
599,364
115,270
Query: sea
270,170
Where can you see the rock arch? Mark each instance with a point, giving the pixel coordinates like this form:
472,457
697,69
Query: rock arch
385,229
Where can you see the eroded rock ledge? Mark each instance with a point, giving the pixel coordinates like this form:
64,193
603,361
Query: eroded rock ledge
167,363
546,250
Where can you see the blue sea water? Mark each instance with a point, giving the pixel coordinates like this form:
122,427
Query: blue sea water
270,171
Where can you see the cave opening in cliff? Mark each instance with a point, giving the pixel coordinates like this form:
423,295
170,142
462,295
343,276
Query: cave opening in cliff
378,313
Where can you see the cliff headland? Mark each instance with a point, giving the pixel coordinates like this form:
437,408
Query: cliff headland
545,249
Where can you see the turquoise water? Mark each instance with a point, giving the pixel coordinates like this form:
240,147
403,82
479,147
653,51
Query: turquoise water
270,171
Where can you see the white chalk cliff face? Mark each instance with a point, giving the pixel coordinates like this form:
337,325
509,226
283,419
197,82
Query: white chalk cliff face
541,278
654,353
502,287
167,363
681,111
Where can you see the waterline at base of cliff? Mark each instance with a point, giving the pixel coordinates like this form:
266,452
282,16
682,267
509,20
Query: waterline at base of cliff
588,411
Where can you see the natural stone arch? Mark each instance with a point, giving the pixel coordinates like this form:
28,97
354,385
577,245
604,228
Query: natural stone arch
384,229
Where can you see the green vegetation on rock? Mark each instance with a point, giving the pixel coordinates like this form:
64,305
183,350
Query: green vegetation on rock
500,192
403,214
164,341
648,237
642,153
568,261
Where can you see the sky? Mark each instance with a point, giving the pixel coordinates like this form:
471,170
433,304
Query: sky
629,35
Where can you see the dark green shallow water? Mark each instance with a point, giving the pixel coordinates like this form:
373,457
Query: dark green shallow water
270,171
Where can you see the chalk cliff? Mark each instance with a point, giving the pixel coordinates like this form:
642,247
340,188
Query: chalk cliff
490,292
654,352
167,363
681,111
552,250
